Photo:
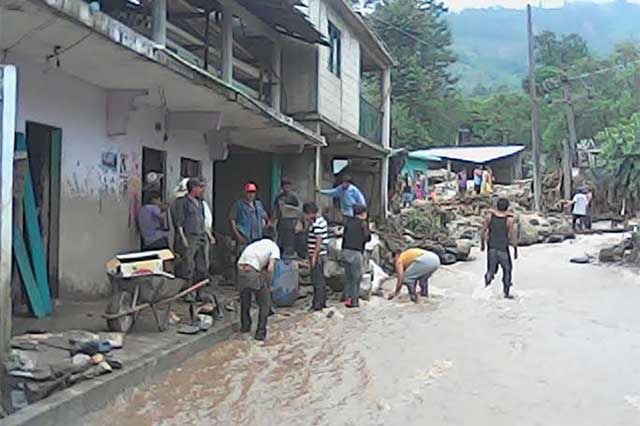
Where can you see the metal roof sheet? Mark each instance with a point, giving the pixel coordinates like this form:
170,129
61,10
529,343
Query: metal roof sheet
471,154
284,17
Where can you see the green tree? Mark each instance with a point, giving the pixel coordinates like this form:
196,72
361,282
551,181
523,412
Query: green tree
621,155
423,88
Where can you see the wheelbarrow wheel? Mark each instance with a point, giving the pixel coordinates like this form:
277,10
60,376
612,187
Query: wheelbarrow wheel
120,302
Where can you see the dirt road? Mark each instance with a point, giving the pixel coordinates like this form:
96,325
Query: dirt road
564,352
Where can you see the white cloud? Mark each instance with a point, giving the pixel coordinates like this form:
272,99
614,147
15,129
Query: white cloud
457,5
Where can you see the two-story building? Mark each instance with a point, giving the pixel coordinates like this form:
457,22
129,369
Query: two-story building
116,98
326,91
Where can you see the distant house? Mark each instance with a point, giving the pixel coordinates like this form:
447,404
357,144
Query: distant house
504,160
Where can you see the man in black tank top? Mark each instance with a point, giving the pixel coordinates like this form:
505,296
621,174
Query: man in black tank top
498,231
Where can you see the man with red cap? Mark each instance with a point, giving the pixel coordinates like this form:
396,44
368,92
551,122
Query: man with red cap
248,217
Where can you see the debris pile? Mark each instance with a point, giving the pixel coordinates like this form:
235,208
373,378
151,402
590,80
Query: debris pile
41,363
450,225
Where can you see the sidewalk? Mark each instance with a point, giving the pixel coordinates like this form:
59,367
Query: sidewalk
146,354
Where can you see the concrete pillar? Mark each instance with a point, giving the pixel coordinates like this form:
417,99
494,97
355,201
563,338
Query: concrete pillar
276,65
384,190
159,28
317,180
8,85
227,47
386,107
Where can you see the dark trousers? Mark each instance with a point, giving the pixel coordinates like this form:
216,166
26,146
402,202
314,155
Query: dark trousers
319,287
579,220
287,236
352,261
252,283
424,287
192,265
500,258
477,188
162,243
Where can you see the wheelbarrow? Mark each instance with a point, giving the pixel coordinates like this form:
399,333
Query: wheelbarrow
141,281
133,295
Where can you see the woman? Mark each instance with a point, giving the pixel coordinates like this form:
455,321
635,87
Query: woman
487,182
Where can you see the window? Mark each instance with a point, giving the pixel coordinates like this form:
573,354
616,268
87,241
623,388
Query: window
334,49
189,168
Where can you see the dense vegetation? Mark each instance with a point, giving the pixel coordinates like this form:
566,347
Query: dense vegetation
491,44
429,105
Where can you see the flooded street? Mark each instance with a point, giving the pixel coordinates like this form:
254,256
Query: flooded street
564,352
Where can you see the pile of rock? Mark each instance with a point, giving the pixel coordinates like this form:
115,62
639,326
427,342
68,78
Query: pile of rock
627,251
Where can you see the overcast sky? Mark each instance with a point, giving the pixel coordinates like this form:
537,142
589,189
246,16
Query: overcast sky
464,4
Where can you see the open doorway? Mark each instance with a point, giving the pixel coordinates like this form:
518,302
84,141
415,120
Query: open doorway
153,173
44,153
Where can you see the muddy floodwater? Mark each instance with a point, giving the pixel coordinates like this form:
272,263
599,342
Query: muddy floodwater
565,352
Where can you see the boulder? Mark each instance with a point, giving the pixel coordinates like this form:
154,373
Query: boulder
468,234
448,259
555,238
527,234
334,275
462,249
608,255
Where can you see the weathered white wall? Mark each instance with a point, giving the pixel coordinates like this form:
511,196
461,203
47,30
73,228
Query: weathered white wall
300,79
338,98
97,202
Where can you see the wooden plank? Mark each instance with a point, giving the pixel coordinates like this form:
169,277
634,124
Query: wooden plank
8,89
34,236
54,211
21,256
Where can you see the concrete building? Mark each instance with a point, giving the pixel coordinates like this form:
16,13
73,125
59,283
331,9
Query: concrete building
323,87
109,91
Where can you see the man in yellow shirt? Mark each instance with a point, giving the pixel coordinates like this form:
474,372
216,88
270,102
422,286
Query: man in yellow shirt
415,266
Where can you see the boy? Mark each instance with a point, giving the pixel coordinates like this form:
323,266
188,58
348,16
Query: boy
317,236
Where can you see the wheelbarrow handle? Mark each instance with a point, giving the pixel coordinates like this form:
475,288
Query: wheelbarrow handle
137,308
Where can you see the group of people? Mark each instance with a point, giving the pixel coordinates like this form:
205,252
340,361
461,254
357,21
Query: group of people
482,180
262,241
413,188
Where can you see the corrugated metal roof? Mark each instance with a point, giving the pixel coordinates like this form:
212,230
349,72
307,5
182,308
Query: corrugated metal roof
421,155
470,154
284,17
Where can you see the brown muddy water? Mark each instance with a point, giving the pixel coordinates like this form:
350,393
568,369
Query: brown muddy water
565,352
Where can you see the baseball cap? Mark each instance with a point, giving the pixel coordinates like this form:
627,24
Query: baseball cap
250,187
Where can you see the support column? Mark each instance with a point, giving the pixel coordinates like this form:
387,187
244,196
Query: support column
8,84
386,107
384,190
227,46
317,180
159,28
276,79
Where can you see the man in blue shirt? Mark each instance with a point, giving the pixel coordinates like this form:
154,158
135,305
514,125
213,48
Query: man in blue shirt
349,195
248,217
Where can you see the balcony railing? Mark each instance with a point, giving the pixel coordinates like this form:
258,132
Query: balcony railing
370,122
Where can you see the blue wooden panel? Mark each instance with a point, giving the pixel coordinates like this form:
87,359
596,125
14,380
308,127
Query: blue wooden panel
29,281
34,235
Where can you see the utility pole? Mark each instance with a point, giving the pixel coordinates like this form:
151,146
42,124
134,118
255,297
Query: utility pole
570,146
535,117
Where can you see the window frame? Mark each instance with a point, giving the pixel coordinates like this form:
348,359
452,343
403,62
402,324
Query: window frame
335,49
